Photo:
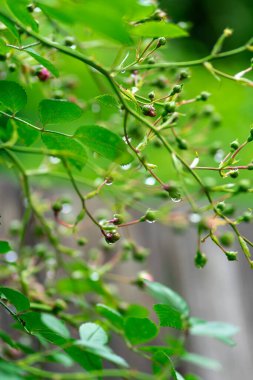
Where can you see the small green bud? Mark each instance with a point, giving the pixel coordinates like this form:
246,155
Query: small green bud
158,15
150,216
141,278
82,241
117,219
40,249
200,259
69,41
30,7
234,173
12,67
161,42
183,74
204,95
221,206
15,227
112,237
170,107
181,143
251,132
227,239
59,305
148,110
59,94
246,216
250,166
151,95
250,138
216,120
140,254
151,60
229,209
57,207
234,145
243,185
3,57
160,82
231,255
176,89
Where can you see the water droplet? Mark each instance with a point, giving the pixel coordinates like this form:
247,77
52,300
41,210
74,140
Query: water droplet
150,221
109,181
123,71
94,276
176,200
126,167
54,160
219,155
66,208
195,218
150,181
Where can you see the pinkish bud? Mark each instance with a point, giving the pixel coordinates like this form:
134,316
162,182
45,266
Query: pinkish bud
43,74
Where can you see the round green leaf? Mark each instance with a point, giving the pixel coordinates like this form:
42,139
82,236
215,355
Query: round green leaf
140,330
58,111
104,142
12,96
4,246
93,333
159,29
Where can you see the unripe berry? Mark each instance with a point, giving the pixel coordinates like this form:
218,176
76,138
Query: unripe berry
140,254
170,107
234,173
12,67
160,82
58,94
227,239
150,216
43,74
151,60
181,143
57,207
30,7
112,237
234,145
200,259
69,41
3,57
246,216
229,209
244,185
231,255
250,138
183,74
151,95
250,166
82,241
142,277
59,305
221,206
204,95
176,89
158,15
161,42
15,227
117,219
149,110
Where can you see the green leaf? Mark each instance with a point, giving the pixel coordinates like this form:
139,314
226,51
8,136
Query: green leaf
10,26
201,361
27,135
4,246
159,29
12,96
108,101
112,315
104,142
3,48
16,298
55,324
163,364
43,61
168,316
19,10
10,371
93,333
137,311
140,330
58,111
166,296
219,330
67,147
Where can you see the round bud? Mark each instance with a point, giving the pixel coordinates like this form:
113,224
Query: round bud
251,132
3,57
221,206
112,237
15,227
216,120
170,107
57,207
234,173
58,94
250,138
181,143
151,60
59,305
148,110
151,95
227,239
69,41
160,82
250,166
161,41
176,89
150,216
12,67
244,185
117,219
159,15
30,7
200,259
231,255
82,241
43,74
234,145
246,216
204,95
229,209
140,254
41,250
183,74
142,277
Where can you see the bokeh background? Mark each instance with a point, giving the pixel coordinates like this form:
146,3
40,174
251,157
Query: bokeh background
223,290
